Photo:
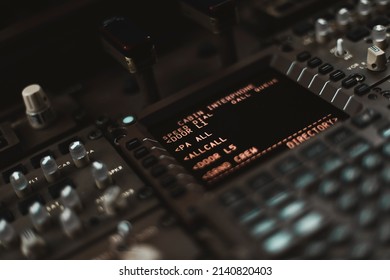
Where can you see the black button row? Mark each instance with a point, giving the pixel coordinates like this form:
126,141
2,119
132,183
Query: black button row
336,75
325,69
314,62
132,144
349,82
156,170
362,89
141,152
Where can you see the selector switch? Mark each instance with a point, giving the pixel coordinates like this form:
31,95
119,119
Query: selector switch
70,199
70,222
50,168
376,59
101,175
39,112
20,184
39,216
79,154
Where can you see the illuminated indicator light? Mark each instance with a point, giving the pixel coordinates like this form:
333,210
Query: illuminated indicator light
128,120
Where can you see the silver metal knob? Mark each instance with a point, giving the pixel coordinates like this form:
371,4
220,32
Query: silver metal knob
101,175
19,184
39,216
78,153
322,31
50,168
39,112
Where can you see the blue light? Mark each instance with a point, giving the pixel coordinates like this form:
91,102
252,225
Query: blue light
128,120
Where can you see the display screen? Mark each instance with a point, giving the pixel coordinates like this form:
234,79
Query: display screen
243,126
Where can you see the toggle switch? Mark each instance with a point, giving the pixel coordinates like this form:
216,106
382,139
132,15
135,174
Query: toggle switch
340,50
